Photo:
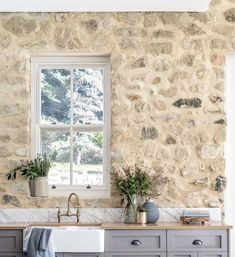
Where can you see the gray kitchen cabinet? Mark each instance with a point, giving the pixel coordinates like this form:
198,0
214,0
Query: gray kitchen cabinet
11,241
59,255
182,254
11,254
83,255
167,243
140,243
135,241
211,254
136,254
197,240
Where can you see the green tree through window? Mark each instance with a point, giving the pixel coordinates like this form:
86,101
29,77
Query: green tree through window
73,97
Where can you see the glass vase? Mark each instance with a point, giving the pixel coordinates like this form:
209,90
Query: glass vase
130,216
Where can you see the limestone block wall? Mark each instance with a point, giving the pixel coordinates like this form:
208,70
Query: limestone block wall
167,94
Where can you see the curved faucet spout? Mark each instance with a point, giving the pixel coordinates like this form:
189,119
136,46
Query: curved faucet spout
69,201
68,212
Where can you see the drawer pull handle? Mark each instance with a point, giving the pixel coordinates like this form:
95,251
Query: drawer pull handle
197,242
136,242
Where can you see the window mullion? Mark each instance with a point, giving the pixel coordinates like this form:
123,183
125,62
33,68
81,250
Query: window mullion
88,128
50,127
71,128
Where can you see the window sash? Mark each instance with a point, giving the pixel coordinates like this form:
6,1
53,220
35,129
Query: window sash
71,69
72,130
39,63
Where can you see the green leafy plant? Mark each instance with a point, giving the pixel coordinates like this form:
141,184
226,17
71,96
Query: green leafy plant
98,139
138,180
39,167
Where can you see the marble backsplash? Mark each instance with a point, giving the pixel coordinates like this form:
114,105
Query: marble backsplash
93,215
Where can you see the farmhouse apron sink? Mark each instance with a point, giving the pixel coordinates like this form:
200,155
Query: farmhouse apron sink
78,239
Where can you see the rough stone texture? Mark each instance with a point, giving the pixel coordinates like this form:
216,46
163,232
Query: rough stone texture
211,151
19,26
91,25
216,99
139,63
193,29
220,184
203,182
149,133
11,199
220,121
190,169
163,34
194,199
170,92
170,140
191,103
181,155
230,15
157,49
217,165
4,152
157,59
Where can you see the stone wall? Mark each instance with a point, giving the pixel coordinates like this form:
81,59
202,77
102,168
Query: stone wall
167,94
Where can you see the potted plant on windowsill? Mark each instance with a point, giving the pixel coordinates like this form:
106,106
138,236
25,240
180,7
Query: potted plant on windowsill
36,171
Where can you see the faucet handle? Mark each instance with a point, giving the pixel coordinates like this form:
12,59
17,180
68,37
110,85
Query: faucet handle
58,214
78,215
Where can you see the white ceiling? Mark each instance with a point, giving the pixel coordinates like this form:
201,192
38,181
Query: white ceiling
103,5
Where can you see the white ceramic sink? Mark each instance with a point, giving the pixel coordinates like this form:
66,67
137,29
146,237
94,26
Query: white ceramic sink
78,239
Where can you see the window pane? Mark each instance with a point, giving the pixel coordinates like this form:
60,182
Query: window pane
88,158
55,96
88,96
57,146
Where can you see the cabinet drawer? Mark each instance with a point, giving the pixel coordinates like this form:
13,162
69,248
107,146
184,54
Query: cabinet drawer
135,241
182,254
216,254
11,241
59,255
197,240
136,255
83,255
11,255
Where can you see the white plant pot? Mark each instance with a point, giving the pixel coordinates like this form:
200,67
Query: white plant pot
41,187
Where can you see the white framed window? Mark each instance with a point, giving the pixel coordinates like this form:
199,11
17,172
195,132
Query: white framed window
71,122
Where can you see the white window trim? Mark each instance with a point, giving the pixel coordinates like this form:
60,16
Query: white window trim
38,62
230,144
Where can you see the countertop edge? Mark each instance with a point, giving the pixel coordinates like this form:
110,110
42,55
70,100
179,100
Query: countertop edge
165,226
122,226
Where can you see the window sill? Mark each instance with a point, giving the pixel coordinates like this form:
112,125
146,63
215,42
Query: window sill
82,193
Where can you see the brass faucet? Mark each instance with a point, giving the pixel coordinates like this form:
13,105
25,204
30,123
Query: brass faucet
68,212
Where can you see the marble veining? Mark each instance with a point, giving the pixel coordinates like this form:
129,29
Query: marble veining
93,215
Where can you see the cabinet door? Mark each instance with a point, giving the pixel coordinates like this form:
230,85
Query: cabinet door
182,254
83,255
163,254
59,255
215,254
11,255
11,241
